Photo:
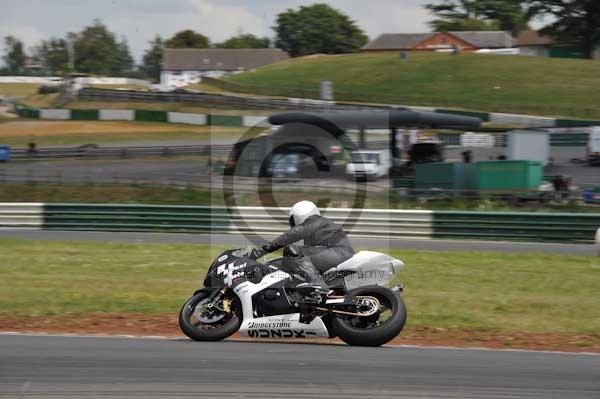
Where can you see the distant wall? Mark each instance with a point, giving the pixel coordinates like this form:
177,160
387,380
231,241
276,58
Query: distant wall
88,80
143,115
29,79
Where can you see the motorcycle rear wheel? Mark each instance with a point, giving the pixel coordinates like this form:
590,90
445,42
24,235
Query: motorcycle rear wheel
372,330
197,323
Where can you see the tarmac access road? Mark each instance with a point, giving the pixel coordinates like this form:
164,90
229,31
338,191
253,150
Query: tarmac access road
237,240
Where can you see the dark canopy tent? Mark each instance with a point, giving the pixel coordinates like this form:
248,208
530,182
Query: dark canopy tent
336,122
312,133
376,119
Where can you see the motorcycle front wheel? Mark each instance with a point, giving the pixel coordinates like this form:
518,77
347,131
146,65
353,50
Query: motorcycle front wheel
203,319
378,328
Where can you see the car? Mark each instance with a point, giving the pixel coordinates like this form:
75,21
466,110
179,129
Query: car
284,165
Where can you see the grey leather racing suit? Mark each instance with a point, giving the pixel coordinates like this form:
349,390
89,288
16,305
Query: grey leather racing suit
325,243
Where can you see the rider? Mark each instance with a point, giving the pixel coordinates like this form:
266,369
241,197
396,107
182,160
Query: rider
325,244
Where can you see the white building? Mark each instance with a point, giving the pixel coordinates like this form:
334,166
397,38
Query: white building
182,67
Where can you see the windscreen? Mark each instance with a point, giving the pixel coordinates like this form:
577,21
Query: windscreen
358,157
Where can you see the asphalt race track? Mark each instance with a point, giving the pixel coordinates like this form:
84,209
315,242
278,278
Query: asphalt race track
63,366
236,241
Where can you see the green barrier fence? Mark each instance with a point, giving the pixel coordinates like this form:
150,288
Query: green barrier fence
569,139
224,120
575,123
84,114
484,116
135,218
25,112
523,226
151,116
502,226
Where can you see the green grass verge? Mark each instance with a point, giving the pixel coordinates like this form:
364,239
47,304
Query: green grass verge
75,139
507,292
104,193
41,100
167,195
523,85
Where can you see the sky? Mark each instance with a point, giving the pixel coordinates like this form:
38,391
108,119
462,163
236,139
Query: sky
140,20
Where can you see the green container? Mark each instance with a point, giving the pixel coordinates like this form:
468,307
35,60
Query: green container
509,175
569,139
84,114
445,175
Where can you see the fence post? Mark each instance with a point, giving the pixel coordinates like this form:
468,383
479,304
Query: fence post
598,242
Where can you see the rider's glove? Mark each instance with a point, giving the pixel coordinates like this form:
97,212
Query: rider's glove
258,252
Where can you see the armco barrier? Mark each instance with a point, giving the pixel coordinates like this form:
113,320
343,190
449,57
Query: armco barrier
135,218
525,226
85,114
224,120
116,114
521,226
484,116
118,152
151,116
61,114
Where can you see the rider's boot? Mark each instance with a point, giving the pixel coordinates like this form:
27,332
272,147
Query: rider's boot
314,286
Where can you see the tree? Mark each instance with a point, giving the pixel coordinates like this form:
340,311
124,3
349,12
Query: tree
53,54
125,60
97,51
245,41
511,15
466,24
152,59
188,39
318,28
573,21
461,15
14,56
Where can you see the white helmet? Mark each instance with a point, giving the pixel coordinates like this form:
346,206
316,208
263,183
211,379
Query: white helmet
301,211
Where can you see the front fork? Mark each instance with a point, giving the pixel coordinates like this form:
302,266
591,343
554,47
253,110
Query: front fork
215,295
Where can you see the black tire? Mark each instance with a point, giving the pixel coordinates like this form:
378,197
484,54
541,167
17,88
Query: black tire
376,335
221,331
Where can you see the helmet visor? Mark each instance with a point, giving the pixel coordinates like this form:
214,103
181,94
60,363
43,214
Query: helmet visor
291,221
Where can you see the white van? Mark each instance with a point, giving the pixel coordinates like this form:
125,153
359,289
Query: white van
368,164
593,150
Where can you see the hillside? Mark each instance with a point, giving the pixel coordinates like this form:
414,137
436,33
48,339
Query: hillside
491,83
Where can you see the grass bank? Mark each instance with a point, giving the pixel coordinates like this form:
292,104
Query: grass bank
452,290
523,85
17,89
17,133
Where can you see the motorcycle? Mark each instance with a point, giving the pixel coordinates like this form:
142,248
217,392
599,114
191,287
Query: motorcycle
260,300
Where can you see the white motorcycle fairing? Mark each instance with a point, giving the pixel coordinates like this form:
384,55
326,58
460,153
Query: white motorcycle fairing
370,268
279,326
